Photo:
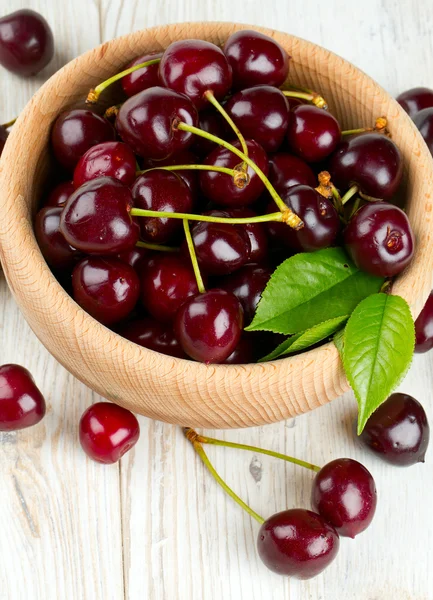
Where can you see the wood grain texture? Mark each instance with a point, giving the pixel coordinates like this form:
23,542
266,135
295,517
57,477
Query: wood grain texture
158,528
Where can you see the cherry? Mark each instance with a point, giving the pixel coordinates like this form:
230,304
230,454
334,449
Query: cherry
161,191
209,325
193,67
211,122
344,494
416,99
146,122
398,431
107,432
26,42
256,59
321,221
144,78
151,334
247,284
111,159
21,403
220,188
190,177
136,257
256,233
424,121
96,218
165,285
287,170
424,327
379,239
371,161
60,194
298,543
56,250
312,133
261,113
243,354
3,137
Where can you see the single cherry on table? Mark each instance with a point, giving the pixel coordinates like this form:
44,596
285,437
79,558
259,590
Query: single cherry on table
21,403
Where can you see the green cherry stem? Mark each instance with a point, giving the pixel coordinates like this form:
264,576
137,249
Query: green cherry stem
193,257
209,95
310,96
9,123
380,126
157,247
191,436
141,212
93,95
239,181
348,195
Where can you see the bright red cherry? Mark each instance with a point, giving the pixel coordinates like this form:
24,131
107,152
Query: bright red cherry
424,121
60,194
211,122
424,327
21,403
193,67
313,133
209,326
26,42
56,250
144,78
106,288
151,334
107,432
416,99
256,59
298,543
190,177
247,284
287,170
111,159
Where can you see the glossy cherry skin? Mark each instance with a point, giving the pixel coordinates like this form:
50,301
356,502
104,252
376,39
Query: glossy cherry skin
313,133
60,194
424,121
243,354
398,431
110,159
136,257
287,170
256,59
107,432
424,327
190,177
193,67
370,160
143,78
209,326
247,284
219,187
26,42
416,99
321,221
379,239
146,122
75,131
106,288
165,285
21,403
256,232
261,113
344,494
211,122
153,335
3,137
298,543
162,191
56,250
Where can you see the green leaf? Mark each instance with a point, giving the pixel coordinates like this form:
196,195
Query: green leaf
310,288
305,339
379,340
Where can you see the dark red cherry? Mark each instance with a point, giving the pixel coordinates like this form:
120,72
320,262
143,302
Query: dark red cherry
21,403
184,157
211,122
243,354
146,122
75,131
370,160
107,432
247,284
416,99
26,42
424,121
424,327
344,494
261,113
287,170
151,334
321,221
60,194
209,326
313,133
162,191
379,239
136,257
193,67
219,187
144,78
96,219
398,431
165,285
256,59
256,233
111,159
106,288
56,250
298,543
3,137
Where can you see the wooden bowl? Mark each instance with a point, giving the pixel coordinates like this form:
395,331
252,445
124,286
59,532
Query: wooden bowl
180,391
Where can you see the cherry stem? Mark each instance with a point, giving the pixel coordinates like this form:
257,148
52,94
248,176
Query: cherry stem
240,178
308,95
9,123
193,257
209,95
157,247
142,212
355,131
190,435
93,95
355,207
288,216
348,195
380,126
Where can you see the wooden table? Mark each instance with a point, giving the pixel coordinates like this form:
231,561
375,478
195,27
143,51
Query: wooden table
155,526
